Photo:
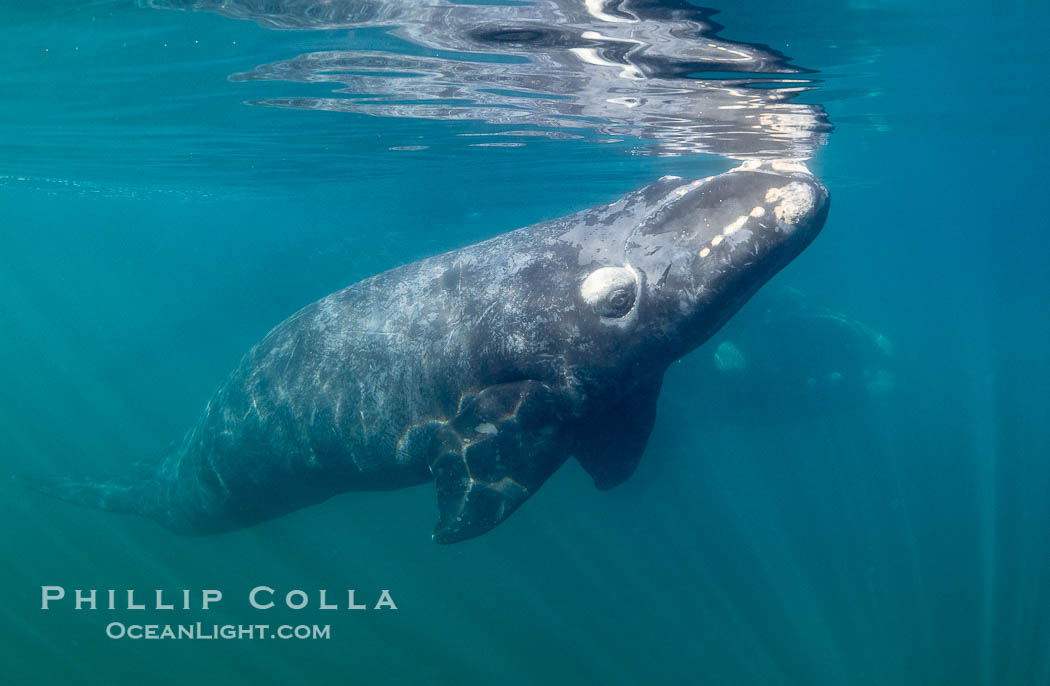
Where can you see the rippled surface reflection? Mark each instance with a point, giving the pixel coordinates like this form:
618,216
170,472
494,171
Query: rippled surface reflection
641,70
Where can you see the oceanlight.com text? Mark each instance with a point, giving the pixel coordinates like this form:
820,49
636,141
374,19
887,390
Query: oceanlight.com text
200,631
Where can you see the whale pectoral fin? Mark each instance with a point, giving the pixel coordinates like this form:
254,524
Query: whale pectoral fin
621,431
493,455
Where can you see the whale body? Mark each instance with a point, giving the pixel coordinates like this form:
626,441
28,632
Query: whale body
483,369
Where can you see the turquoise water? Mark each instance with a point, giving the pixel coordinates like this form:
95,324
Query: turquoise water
156,224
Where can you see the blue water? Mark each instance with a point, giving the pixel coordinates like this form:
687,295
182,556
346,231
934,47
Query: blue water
155,225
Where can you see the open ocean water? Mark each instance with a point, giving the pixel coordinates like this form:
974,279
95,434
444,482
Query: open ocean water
850,484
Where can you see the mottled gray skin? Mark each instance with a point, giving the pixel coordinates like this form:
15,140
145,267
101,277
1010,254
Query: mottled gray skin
483,369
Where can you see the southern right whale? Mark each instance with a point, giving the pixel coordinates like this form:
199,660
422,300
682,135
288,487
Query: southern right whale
482,369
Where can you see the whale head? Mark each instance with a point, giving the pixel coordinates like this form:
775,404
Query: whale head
674,261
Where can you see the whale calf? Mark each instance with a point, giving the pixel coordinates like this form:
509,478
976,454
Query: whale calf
483,369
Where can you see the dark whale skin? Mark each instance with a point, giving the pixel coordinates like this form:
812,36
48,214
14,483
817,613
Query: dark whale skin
484,368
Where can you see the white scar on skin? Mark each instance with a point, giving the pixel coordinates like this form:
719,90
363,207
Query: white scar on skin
705,252
758,212
717,239
796,199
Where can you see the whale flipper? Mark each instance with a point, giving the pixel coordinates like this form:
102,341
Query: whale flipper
493,455
611,454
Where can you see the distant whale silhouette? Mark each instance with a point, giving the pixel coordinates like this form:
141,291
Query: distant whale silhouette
484,368
788,356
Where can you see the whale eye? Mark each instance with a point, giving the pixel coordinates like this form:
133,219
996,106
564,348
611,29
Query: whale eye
618,301
610,291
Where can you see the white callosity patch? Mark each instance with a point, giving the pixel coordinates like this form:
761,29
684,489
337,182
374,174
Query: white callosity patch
794,166
794,201
747,165
735,225
797,166
730,229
